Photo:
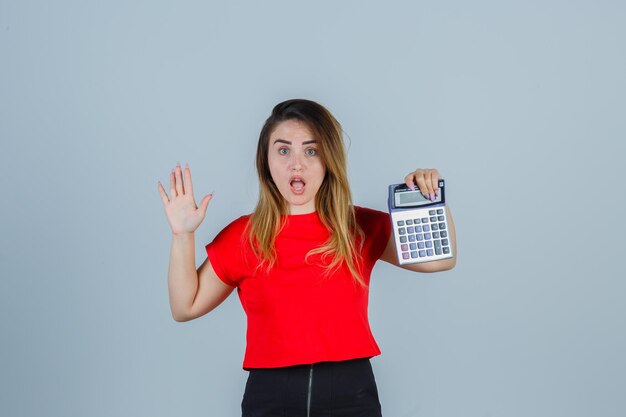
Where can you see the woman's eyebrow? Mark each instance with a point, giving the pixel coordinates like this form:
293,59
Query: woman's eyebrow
289,143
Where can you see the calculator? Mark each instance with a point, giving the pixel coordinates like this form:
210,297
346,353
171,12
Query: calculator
420,226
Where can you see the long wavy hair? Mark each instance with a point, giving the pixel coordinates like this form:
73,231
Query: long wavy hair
333,201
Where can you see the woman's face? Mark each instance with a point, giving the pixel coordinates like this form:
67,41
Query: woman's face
296,165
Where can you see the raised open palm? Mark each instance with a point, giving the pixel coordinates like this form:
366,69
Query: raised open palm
180,208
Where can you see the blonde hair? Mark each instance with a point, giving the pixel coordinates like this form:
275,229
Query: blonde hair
333,201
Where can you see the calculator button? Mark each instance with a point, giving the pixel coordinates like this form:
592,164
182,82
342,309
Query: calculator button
437,251
400,222
405,255
420,245
403,239
429,244
418,229
424,219
433,219
435,226
422,253
413,254
435,235
427,228
416,221
432,212
440,218
412,246
444,234
411,238
410,230
445,242
402,231
446,250
404,247
419,237
437,243
409,222
429,252
427,236
442,226
439,211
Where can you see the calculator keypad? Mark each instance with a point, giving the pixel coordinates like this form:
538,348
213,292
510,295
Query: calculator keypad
422,237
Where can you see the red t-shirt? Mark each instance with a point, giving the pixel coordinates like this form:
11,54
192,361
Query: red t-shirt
296,315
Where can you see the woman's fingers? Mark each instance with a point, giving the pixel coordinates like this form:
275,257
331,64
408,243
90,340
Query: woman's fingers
173,185
427,181
188,183
179,180
204,204
432,180
163,194
424,183
409,181
178,187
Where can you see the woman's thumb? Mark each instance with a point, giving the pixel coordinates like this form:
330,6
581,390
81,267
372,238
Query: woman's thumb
204,204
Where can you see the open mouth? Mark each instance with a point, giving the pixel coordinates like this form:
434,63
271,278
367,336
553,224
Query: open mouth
297,185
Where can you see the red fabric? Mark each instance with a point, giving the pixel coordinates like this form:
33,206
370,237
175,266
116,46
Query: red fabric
295,314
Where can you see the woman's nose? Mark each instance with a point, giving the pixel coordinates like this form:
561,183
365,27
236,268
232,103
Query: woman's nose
296,162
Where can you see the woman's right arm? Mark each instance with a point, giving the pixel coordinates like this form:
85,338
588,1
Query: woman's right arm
193,293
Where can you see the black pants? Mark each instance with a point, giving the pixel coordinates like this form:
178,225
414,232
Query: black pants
324,389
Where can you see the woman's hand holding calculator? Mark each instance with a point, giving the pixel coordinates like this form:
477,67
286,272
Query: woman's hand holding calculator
182,213
426,180
423,238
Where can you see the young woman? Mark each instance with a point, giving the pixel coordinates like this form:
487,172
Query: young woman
301,263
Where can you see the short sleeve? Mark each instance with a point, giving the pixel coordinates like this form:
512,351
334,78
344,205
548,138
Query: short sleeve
229,253
376,226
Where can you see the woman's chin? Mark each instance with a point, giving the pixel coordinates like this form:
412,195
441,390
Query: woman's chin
301,207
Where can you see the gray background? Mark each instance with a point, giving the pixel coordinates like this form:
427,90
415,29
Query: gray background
519,105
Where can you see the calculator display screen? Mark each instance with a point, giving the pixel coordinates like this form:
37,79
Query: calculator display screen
408,198
413,198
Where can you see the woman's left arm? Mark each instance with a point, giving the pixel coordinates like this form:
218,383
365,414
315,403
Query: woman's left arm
427,181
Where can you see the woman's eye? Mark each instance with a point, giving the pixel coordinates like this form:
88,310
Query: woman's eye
283,151
311,152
